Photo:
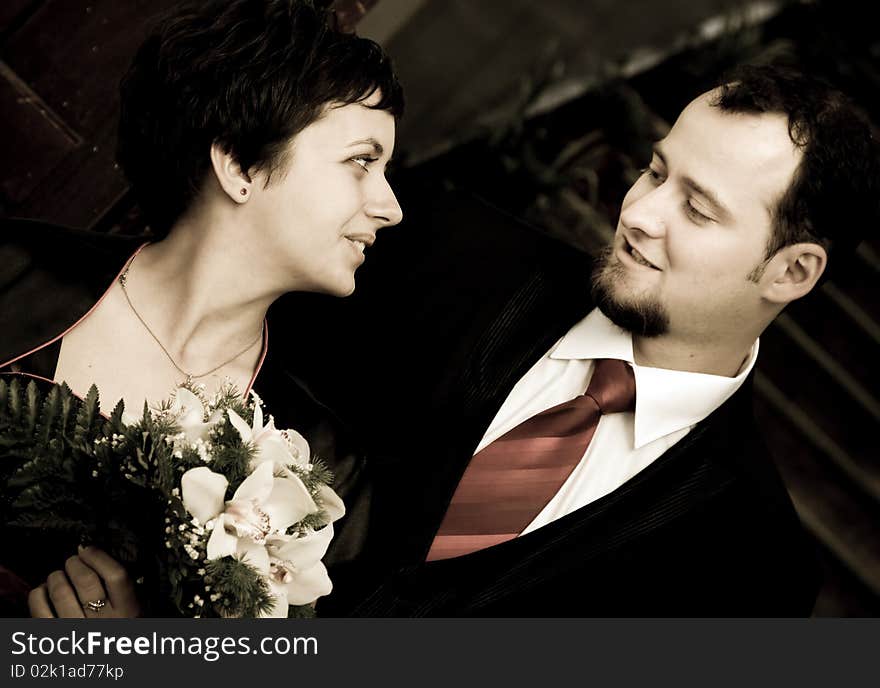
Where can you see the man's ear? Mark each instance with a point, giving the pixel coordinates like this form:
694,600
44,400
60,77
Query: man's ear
234,181
793,272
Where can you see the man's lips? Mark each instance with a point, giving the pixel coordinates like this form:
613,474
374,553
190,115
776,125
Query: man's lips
636,256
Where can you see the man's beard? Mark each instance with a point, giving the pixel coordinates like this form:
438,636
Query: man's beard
643,316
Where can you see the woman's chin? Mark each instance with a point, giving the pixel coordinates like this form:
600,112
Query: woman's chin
344,286
340,283
346,292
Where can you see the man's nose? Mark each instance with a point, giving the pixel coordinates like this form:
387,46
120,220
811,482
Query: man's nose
648,212
382,204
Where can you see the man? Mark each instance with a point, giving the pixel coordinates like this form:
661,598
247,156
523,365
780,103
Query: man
470,337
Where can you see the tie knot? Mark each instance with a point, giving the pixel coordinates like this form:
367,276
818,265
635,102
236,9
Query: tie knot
613,385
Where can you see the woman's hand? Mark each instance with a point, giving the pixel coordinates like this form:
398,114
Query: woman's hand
93,585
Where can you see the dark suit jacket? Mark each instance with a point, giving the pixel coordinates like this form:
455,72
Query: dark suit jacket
451,309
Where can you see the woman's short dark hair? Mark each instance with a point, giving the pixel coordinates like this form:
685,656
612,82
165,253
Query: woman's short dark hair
246,74
834,196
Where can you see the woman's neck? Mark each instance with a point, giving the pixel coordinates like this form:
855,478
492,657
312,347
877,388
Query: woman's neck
198,294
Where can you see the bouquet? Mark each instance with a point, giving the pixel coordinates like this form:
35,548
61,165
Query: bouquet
214,511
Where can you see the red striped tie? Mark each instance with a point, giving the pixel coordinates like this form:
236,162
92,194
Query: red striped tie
509,482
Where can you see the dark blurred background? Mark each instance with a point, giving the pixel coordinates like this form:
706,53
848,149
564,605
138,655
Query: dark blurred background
547,108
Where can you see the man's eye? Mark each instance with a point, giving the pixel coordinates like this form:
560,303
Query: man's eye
695,214
652,174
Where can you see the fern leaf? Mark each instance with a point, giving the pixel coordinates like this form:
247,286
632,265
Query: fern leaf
48,416
33,405
15,400
85,419
68,404
116,417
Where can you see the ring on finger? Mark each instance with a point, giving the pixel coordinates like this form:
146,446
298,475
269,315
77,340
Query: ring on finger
95,605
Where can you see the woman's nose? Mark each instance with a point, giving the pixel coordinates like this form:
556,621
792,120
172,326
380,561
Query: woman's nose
383,205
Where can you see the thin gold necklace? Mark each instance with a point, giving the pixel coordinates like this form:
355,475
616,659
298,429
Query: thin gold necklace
189,376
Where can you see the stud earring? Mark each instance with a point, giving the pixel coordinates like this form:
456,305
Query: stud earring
243,192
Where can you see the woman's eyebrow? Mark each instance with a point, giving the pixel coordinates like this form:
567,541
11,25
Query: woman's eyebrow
377,147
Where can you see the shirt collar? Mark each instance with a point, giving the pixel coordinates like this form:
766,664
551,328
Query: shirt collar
666,400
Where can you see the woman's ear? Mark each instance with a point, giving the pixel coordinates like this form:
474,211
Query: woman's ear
234,181
793,272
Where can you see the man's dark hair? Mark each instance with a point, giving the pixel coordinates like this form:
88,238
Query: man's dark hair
246,74
834,197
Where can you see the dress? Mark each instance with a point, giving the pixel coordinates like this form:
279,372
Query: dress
50,277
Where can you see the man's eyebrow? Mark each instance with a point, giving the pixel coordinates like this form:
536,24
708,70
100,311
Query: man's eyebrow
710,196
377,147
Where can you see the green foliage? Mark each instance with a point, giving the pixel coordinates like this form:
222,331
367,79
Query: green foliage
301,611
232,457
15,401
69,475
87,417
61,481
240,590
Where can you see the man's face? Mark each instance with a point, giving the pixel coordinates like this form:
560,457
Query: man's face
696,224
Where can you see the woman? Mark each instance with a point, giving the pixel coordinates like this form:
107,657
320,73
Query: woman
255,139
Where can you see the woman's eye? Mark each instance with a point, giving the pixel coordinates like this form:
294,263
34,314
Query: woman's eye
363,161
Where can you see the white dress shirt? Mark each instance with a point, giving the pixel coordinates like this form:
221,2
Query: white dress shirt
668,404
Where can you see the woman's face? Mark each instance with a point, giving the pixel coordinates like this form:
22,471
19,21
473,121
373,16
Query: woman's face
320,213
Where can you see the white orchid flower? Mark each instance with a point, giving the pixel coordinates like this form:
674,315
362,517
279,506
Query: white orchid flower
263,506
298,446
251,434
282,448
297,575
304,587
331,502
255,555
203,493
191,415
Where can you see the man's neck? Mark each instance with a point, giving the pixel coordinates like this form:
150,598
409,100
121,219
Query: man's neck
706,357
